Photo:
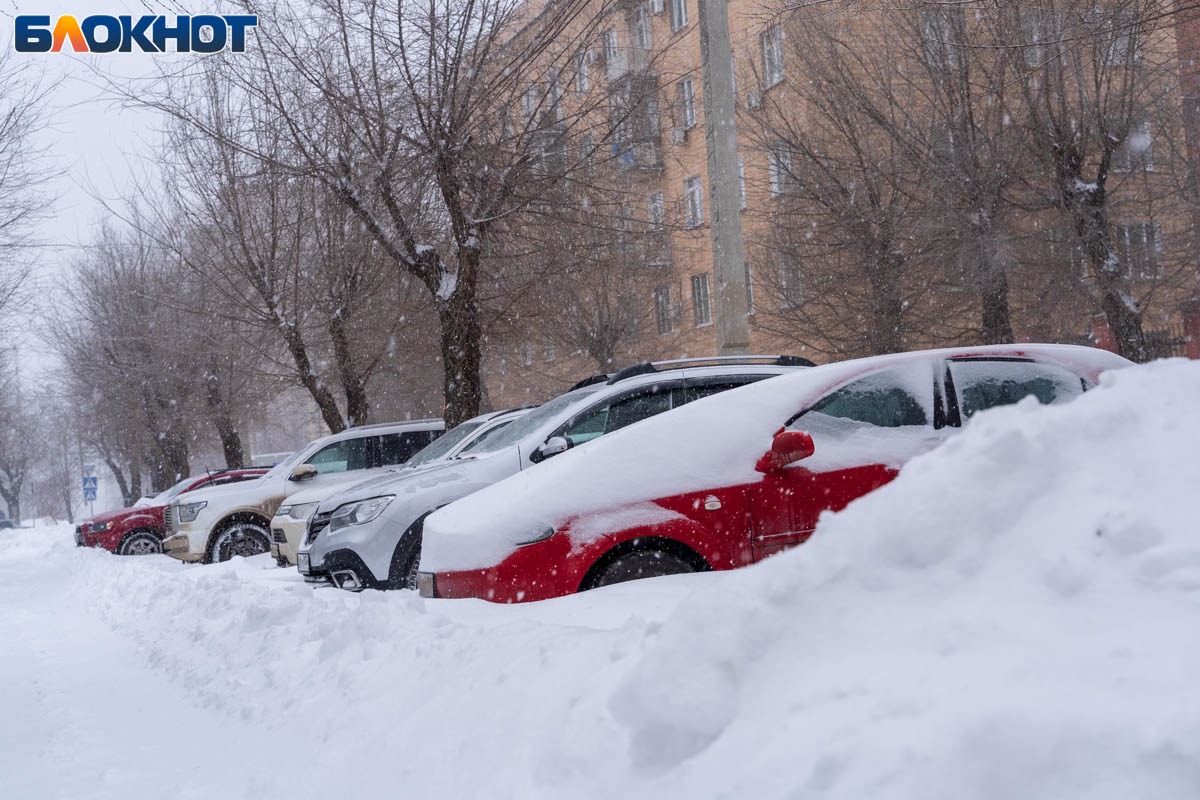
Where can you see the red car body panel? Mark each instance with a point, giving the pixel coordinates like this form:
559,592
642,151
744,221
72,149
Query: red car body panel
727,527
93,532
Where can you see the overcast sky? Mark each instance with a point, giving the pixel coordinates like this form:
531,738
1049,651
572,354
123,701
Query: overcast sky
98,145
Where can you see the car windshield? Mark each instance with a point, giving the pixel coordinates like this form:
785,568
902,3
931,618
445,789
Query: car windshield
445,443
511,434
174,490
286,464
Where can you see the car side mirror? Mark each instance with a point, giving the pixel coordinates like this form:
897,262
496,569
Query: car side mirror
303,472
787,447
553,446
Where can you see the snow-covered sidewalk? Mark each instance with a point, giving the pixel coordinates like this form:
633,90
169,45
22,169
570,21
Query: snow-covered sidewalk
1013,618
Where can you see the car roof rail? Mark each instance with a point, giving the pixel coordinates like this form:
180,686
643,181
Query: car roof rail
371,425
647,367
597,378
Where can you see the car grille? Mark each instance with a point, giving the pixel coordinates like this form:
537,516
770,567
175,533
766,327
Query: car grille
169,519
316,524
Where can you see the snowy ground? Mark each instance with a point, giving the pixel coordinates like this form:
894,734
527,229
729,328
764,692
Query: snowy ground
1014,617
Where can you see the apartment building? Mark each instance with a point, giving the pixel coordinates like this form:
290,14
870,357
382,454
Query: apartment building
651,49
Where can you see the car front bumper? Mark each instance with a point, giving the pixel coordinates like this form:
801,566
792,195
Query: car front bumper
178,546
286,535
536,571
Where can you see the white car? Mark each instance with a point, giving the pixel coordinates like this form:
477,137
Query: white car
216,524
368,536
291,519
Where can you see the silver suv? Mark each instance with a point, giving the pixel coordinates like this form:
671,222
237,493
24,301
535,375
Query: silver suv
368,535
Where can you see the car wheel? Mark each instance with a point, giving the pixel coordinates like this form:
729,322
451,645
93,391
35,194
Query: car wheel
240,539
141,543
642,564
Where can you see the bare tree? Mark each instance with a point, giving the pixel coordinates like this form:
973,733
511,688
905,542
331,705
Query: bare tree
433,123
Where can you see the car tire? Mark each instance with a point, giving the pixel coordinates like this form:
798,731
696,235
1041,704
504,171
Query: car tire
240,538
140,543
642,564
402,574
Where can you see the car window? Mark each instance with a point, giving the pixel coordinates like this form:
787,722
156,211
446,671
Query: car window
348,454
397,448
445,443
609,417
984,384
511,434
878,400
881,418
708,389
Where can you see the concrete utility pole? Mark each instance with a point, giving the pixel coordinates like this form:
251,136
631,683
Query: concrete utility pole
724,190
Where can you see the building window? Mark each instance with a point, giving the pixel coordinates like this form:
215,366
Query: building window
1136,151
549,352
701,303
656,213
643,36
1042,33
529,101
694,198
587,149
506,124
583,77
1138,247
687,103
771,42
553,94
662,308
1123,46
526,355
742,183
678,15
608,42
791,287
943,31
941,139
779,166
749,289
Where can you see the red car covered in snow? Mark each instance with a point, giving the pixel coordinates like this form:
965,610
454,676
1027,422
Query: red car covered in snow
731,479
138,530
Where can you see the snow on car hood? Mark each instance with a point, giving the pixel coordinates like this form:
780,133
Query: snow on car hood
414,480
706,444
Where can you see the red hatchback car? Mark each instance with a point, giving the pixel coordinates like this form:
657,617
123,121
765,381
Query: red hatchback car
138,530
731,479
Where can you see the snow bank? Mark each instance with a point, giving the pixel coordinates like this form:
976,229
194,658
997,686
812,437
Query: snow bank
1013,618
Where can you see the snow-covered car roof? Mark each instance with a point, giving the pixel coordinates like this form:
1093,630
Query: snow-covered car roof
706,444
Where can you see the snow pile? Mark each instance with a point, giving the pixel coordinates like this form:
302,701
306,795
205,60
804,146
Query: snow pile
1013,618
707,444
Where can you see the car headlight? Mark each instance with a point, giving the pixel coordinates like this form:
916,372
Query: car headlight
299,511
101,527
358,513
537,536
187,513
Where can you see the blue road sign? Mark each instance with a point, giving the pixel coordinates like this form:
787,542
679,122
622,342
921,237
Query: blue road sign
89,482
89,495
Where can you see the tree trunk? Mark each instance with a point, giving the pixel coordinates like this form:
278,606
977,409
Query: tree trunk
993,297
461,342
1120,309
135,480
218,413
324,398
127,497
358,409
13,500
887,306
